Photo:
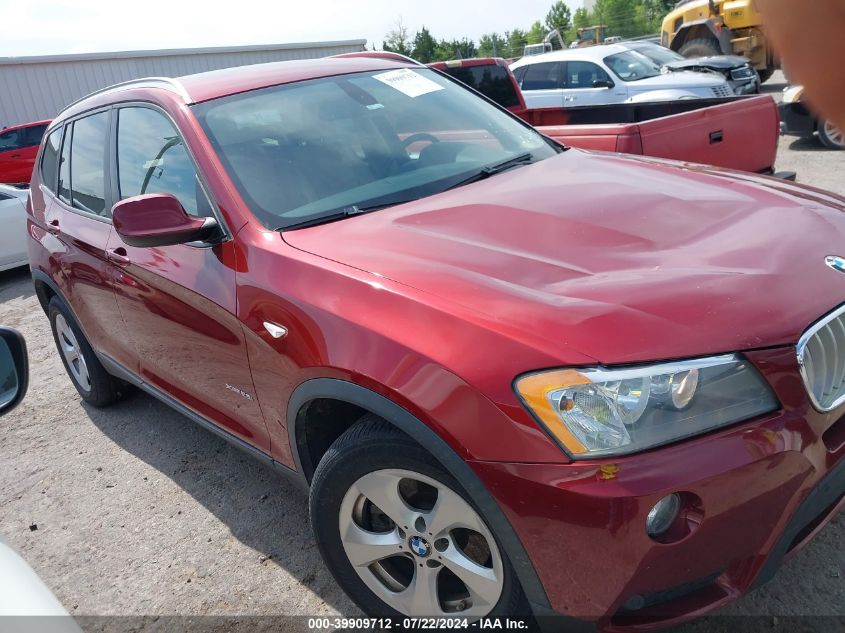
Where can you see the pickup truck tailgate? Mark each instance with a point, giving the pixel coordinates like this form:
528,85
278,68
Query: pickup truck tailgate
739,135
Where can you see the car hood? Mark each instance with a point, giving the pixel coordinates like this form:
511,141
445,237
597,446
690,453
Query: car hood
720,63
680,79
620,259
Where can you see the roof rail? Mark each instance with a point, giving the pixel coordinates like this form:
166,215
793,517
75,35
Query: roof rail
167,82
396,57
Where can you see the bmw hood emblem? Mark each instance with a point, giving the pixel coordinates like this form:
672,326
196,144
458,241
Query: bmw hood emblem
419,546
836,262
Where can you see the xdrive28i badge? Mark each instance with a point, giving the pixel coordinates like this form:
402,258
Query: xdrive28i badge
836,262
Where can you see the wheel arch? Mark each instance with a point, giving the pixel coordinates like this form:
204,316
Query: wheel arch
45,289
708,28
372,402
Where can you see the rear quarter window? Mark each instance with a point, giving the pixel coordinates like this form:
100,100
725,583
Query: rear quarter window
50,160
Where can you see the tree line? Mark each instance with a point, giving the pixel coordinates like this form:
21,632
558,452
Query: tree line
625,18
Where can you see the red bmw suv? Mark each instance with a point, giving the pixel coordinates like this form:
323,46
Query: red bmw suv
518,379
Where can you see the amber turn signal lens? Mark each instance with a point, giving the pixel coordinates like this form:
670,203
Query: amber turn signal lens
534,390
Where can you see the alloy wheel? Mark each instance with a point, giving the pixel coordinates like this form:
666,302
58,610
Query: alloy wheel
419,546
836,136
73,353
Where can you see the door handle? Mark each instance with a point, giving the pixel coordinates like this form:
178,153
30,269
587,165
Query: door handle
53,227
118,256
15,156
716,137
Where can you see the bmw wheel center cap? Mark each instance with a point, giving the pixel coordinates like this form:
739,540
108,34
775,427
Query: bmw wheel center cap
419,546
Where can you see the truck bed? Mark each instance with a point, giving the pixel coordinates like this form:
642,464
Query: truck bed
737,132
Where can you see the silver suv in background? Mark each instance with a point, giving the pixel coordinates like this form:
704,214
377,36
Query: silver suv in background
600,75
736,70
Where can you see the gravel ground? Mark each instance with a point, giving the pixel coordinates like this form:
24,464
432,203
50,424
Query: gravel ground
135,511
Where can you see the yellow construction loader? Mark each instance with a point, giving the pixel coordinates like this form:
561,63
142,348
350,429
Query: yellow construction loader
701,28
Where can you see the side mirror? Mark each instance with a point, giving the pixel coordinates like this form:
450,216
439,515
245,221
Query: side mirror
158,219
602,83
14,369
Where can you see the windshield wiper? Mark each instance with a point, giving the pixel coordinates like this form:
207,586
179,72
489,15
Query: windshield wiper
497,168
351,210
342,213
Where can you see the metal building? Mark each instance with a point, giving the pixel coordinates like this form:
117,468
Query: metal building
35,88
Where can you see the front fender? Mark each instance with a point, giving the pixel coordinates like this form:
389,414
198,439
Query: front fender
437,447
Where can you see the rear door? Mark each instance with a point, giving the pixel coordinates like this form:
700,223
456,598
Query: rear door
76,213
178,302
542,84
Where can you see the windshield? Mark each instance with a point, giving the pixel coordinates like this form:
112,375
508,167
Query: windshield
658,54
632,66
343,144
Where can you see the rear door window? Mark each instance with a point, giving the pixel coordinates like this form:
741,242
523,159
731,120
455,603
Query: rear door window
50,160
88,164
151,158
64,166
543,76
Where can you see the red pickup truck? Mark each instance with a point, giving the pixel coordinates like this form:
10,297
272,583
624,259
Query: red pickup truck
736,132
18,147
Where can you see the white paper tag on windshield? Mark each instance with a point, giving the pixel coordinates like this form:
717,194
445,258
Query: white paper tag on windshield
408,82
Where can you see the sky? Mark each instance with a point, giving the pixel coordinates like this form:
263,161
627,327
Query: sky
52,27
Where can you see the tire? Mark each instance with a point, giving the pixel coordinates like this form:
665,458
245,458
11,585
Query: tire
701,47
375,456
831,136
94,384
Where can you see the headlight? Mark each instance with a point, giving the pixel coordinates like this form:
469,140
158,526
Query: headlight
793,94
599,412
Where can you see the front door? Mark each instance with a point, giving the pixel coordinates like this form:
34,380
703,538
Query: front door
178,302
587,84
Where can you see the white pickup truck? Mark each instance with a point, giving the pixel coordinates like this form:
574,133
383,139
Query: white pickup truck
600,75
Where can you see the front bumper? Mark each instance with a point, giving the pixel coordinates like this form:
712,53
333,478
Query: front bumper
796,120
755,494
745,86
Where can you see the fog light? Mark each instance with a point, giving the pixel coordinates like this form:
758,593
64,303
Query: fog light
662,515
